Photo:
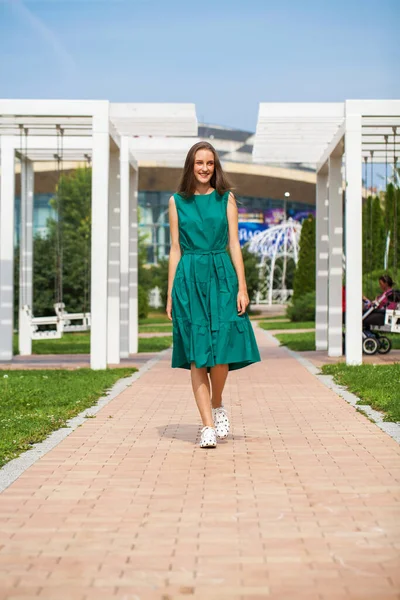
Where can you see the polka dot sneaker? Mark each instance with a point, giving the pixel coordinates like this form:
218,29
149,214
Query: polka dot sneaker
208,438
221,421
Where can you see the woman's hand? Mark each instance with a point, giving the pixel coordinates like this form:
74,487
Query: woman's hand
242,301
169,308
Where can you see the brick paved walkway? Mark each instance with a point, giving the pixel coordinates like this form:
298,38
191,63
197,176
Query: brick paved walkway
320,357
70,361
301,503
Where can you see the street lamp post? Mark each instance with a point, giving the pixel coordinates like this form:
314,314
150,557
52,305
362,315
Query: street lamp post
287,195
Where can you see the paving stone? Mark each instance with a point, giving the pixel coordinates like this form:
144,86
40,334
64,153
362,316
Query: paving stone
301,501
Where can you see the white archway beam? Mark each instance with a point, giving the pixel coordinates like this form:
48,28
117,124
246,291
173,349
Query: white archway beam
295,132
310,132
335,147
161,149
335,235
353,232
322,260
99,249
154,119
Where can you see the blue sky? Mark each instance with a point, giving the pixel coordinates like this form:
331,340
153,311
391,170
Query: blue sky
225,56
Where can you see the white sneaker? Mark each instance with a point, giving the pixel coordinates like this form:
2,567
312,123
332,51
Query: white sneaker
221,421
208,438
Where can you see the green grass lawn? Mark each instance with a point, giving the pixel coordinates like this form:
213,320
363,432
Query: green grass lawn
275,318
79,343
35,403
377,385
155,344
300,342
154,318
286,325
160,328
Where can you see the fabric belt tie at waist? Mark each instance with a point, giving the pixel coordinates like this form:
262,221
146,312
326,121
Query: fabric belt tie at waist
213,291
204,251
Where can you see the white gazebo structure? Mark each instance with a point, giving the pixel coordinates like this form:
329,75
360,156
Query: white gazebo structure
278,241
335,138
35,130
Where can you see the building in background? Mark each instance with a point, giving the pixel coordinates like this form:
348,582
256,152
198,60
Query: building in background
266,193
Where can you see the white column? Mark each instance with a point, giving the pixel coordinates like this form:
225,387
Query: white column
113,306
100,166
335,226
7,199
133,263
353,229
322,262
124,248
26,255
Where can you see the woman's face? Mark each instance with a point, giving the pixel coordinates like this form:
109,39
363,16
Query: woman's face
204,166
384,286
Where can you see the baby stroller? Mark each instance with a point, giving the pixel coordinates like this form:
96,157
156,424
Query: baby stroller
377,320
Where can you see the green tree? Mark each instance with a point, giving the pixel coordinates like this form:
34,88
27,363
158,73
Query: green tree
366,245
70,238
378,234
304,277
389,206
250,262
392,226
43,278
373,235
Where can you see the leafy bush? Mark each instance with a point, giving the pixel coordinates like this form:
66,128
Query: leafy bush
160,278
303,308
143,302
304,277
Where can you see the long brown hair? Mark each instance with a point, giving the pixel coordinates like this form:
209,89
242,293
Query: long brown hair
218,181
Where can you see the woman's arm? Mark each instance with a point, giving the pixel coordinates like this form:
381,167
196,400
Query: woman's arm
383,299
236,254
174,253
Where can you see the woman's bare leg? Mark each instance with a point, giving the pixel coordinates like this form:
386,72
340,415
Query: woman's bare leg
201,390
218,375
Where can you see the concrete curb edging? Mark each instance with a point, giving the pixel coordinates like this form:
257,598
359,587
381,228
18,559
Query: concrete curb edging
14,469
390,428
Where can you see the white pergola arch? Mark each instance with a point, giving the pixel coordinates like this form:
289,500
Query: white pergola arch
103,132
333,137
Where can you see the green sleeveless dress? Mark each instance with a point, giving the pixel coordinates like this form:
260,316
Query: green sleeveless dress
207,329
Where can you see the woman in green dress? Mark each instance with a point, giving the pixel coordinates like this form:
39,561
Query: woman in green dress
207,292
